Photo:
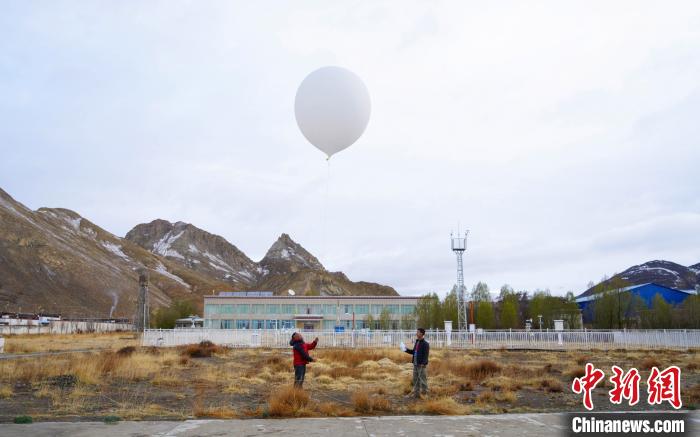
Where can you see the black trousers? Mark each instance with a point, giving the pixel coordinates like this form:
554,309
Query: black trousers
299,374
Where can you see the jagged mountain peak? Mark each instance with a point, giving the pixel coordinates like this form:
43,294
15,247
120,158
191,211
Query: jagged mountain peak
289,252
286,264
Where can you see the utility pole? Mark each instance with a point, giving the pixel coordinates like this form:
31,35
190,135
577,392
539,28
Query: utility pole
141,319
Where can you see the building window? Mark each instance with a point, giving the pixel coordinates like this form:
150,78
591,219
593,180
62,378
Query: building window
258,324
271,324
377,309
227,324
287,308
211,309
329,325
362,309
243,324
286,324
348,309
392,309
408,309
273,308
215,324
242,308
308,309
226,309
330,309
258,309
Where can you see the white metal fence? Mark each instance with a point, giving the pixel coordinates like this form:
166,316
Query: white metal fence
510,339
65,327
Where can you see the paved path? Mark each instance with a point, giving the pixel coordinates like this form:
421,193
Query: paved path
501,425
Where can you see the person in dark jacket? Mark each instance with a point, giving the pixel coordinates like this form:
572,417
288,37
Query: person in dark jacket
420,352
301,357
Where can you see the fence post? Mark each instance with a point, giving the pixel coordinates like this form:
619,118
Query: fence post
510,338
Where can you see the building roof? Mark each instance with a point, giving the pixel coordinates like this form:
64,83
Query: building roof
312,297
589,295
190,318
246,293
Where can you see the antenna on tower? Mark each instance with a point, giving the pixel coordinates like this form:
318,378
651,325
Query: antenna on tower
459,246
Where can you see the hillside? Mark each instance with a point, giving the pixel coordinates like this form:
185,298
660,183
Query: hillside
661,272
54,260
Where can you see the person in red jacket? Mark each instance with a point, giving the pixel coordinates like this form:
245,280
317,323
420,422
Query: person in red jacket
301,357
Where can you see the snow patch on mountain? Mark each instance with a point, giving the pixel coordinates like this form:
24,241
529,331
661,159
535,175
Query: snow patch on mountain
115,249
217,260
7,205
163,246
74,222
160,268
645,267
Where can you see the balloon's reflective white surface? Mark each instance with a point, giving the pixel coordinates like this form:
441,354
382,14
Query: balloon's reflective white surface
332,108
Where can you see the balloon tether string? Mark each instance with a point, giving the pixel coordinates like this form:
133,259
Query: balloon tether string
325,210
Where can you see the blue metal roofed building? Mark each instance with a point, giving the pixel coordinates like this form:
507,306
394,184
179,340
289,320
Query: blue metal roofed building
646,292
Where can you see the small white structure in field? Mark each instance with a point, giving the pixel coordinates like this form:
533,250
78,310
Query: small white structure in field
448,331
559,327
2,345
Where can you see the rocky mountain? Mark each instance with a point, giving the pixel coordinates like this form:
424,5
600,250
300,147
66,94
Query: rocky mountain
695,268
662,272
54,260
287,255
206,253
286,265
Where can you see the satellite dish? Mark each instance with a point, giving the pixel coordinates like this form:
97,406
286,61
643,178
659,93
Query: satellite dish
291,292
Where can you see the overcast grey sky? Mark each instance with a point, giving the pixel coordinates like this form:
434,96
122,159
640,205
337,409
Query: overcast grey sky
564,135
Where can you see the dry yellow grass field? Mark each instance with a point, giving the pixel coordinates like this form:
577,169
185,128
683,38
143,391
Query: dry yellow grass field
59,342
209,381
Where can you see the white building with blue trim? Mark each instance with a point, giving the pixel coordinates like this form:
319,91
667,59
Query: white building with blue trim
263,310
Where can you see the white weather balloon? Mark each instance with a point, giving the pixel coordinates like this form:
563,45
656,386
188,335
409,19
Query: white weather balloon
332,108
